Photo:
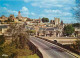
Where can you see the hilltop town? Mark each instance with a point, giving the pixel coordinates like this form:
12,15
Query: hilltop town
54,27
39,28
55,30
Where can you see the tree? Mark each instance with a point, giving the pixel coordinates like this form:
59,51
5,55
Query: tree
77,16
6,21
76,25
0,21
76,45
18,44
2,39
10,50
45,19
68,30
19,35
76,10
7,49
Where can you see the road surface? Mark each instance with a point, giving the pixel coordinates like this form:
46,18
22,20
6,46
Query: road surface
50,50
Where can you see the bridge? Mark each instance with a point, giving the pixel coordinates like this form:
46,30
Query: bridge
50,50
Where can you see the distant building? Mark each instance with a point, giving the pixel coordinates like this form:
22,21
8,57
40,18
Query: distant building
20,18
62,23
19,15
11,17
54,31
52,22
57,21
3,18
37,20
3,29
77,31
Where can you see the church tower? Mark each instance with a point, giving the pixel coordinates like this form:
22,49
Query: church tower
19,14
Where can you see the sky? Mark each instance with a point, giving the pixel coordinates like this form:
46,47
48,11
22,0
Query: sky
34,9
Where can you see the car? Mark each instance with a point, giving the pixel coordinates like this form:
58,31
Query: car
55,41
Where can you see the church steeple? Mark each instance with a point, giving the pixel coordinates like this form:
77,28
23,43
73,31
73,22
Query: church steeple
62,22
19,14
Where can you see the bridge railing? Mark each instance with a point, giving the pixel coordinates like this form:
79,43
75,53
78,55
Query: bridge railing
66,47
34,49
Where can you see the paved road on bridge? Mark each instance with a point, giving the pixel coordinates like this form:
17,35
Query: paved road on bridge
50,50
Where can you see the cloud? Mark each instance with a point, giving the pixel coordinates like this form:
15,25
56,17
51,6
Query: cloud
7,12
66,19
6,5
67,8
41,8
10,0
50,3
66,14
24,11
31,0
57,12
45,5
52,11
33,14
